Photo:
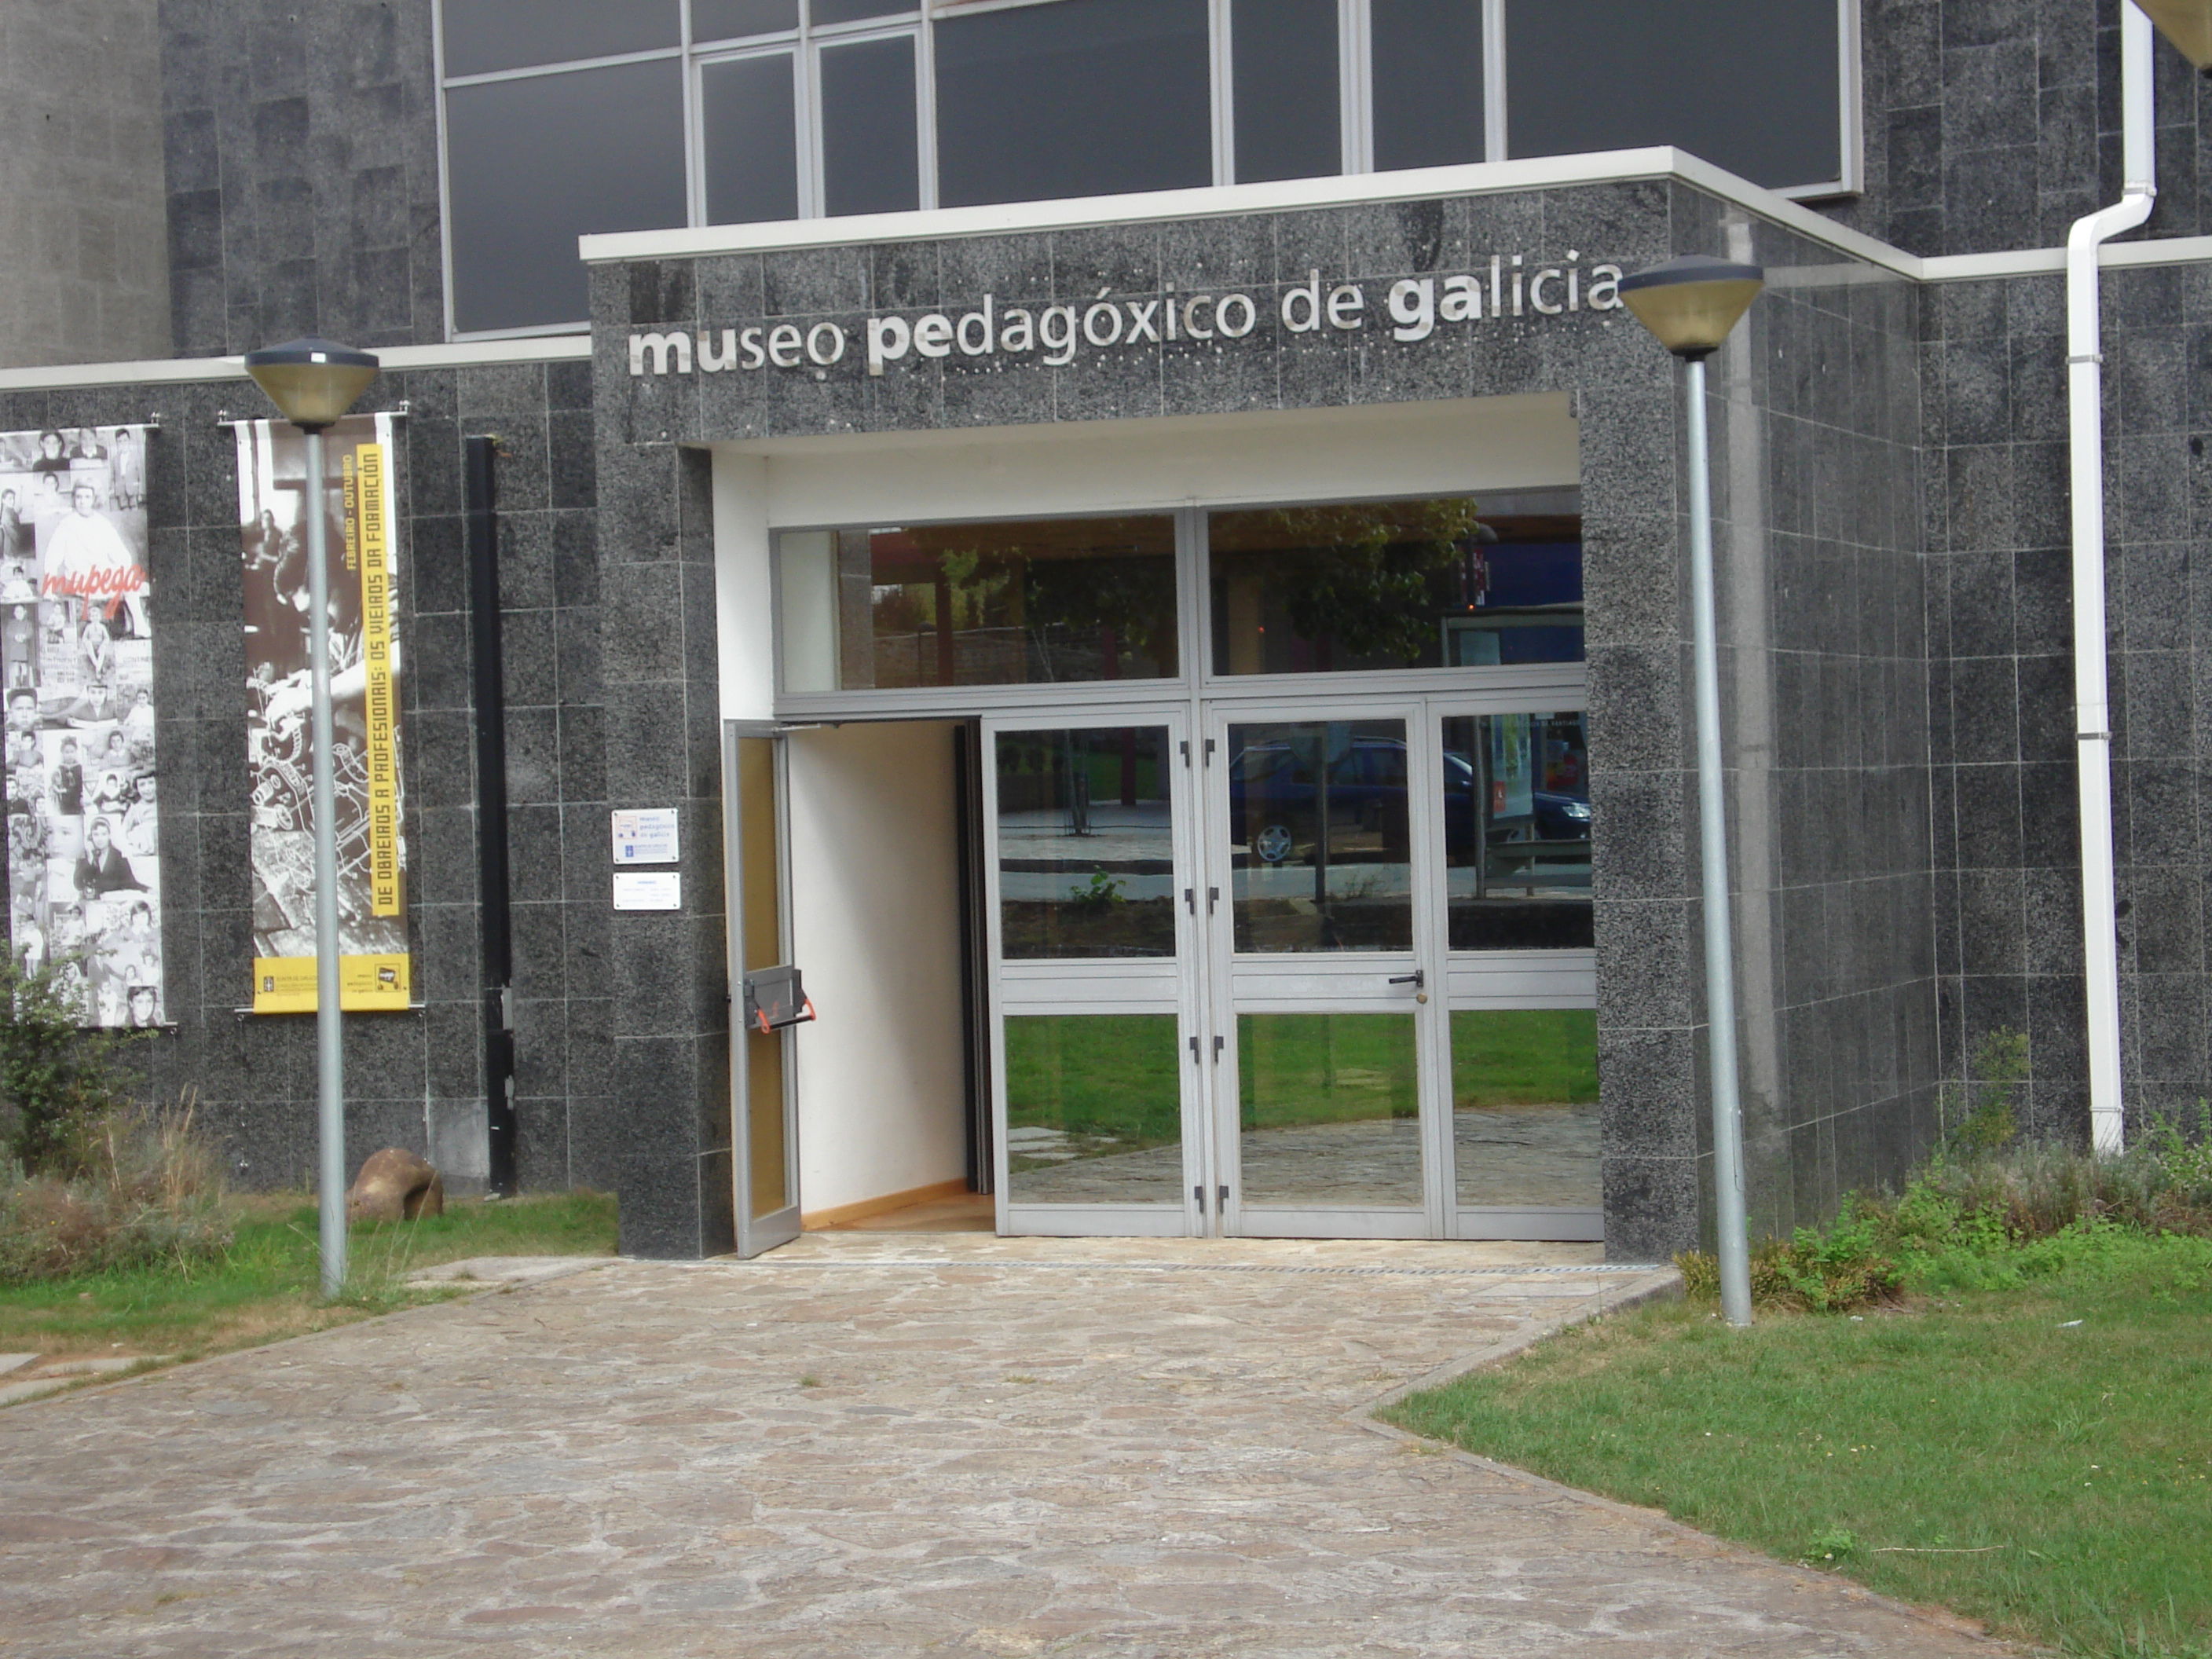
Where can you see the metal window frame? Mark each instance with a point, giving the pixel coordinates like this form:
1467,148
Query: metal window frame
1355,70
1195,679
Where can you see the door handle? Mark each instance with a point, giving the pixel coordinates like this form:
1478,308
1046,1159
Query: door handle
1417,979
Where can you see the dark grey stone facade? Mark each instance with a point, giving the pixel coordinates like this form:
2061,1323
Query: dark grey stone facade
1890,471
1818,435
413,1079
2001,612
301,140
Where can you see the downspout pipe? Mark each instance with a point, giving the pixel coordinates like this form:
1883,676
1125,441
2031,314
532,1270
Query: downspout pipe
2092,722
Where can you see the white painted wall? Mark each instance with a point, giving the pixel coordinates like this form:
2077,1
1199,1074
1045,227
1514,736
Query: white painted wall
875,924
746,620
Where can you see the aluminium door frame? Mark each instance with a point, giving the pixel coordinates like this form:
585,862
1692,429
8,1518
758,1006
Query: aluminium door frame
1101,985
758,1234
1314,982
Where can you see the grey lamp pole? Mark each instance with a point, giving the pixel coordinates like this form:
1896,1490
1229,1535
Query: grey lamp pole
312,383
1690,304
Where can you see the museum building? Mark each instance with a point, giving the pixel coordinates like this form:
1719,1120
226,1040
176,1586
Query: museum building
1084,603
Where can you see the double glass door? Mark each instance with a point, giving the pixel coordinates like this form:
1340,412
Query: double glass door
1313,970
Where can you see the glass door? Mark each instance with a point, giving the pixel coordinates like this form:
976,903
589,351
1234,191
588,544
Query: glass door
1091,923
1517,1040
763,1104
1322,953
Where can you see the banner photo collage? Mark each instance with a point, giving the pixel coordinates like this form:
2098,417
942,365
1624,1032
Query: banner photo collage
361,543
77,653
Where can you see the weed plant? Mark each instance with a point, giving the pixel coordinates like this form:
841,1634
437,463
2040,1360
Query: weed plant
131,1187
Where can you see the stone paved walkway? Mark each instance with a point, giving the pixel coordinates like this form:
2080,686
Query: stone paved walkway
874,1444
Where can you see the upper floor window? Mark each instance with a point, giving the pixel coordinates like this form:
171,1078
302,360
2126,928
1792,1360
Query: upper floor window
607,115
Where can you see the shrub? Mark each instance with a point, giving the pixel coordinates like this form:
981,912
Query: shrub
143,1187
1981,1114
1996,1215
56,1077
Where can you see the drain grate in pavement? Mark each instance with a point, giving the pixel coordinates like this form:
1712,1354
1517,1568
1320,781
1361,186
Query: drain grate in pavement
1607,1269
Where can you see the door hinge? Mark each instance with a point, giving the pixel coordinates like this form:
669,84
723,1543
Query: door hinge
1190,900
1194,1051
1198,1193
1212,898
1223,1196
1209,751
1185,746
1216,1051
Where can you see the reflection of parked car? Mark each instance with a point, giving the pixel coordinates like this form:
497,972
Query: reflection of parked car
1274,812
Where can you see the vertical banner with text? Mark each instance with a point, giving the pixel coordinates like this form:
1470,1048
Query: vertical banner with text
76,649
361,528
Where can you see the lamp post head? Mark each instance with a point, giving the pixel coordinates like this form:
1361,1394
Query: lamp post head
1690,304
2188,24
311,382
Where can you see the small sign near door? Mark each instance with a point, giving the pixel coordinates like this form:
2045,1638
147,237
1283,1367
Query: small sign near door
648,889
647,835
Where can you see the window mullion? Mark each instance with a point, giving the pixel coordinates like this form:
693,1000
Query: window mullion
1493,80
1221,26
1355,68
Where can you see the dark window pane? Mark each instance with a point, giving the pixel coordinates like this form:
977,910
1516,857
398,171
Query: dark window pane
536,163
982,603
1287,96
1320,836
1428,82
482,35
1086,843
1081,98
1748,85
1518,831
727,20
853,11
749,133
869,163
1445,584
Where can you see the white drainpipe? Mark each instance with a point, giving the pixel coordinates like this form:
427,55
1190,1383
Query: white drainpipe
2092,722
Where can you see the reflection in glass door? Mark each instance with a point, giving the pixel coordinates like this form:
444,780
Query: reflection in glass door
1519,984
1091,945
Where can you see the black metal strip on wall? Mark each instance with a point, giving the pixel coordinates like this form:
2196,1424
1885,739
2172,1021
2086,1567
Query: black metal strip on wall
975,985
480,484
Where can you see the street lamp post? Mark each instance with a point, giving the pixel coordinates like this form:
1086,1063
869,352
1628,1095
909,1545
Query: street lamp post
312,383
1690,305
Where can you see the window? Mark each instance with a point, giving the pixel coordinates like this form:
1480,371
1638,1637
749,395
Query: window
1433,584
1427,67
1003,604
1749,85
1287,89
1078,98
533,163
602,116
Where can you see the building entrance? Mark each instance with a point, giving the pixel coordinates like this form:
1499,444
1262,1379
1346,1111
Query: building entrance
1312,968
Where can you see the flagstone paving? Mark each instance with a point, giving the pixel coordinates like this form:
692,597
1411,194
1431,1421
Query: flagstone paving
878,1444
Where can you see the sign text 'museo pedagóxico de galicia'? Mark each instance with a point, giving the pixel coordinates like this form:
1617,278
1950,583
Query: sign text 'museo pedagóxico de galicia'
1412,308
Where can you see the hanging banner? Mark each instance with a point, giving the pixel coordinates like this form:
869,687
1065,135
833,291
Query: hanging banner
360,542
77,653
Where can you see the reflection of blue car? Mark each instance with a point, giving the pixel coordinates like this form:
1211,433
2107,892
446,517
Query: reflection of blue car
1274,812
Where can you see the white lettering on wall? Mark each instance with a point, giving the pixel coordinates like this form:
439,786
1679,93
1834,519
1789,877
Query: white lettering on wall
1417,309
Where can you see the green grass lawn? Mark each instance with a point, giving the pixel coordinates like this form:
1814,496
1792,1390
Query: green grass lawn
2040,1456
264,1286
